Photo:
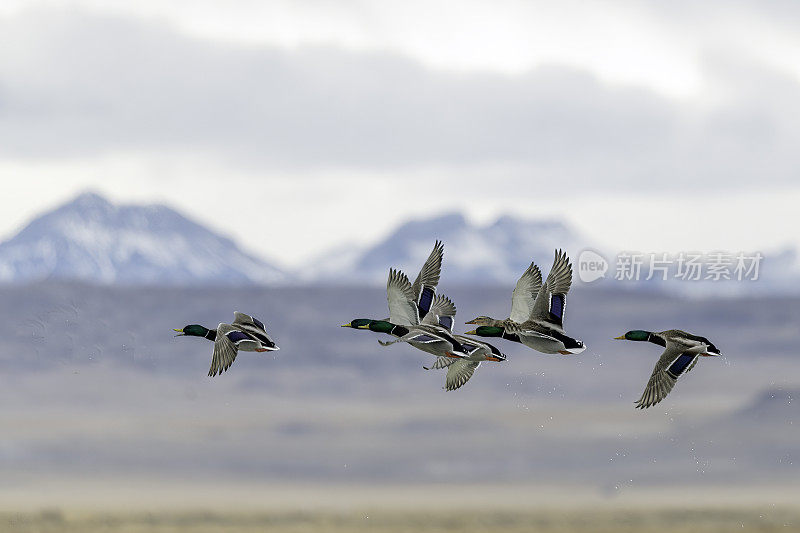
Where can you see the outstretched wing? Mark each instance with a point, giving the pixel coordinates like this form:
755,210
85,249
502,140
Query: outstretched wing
441,362
551,301
254,327
459,373
225,348
524,294
424,287
402,305
241,319
672,364
442,313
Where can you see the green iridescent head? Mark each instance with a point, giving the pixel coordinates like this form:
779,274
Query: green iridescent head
193,330
487,331
358,323
381,326
634,335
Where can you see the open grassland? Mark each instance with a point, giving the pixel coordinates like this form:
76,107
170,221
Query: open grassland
698,520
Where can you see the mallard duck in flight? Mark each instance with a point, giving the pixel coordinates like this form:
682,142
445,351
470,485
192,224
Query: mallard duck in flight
682,351
434,340
245,333
459,371
543,327
426,334
423,288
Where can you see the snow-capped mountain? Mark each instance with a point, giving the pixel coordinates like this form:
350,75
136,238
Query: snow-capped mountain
90,239
499,252
489,254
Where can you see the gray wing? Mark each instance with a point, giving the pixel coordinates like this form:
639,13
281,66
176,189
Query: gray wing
559,280
241,319
254,327
442,313
439,332
248,323
429,274
459,373
224,351
524,294
471,345
560,277
441,362
403,309
668,369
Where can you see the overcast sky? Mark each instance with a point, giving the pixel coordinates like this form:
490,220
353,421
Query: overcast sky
299,125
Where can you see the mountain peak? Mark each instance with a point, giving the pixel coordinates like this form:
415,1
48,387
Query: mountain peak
91,239
87,203
428,227
89,199
497,253
511,221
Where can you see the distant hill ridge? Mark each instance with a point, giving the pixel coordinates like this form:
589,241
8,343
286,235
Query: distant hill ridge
90,239
477,254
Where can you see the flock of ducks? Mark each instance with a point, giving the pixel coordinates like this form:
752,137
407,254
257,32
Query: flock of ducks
424,319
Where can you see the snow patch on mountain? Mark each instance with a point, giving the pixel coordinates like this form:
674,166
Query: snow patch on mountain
476,254
90,239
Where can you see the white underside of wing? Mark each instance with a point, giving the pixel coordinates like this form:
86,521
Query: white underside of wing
442,362
524,295
402,306
459,373
224,351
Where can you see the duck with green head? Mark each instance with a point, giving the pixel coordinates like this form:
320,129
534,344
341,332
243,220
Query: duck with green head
459,370
245,334
405,324
494,331
427,339
537,311
423,291
682,350
424,286
442,313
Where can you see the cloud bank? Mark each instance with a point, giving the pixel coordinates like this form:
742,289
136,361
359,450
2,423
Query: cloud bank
79,85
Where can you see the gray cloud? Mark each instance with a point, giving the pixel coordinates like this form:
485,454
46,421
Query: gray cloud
78,85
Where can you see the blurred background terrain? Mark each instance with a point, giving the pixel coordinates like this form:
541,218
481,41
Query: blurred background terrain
105,409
